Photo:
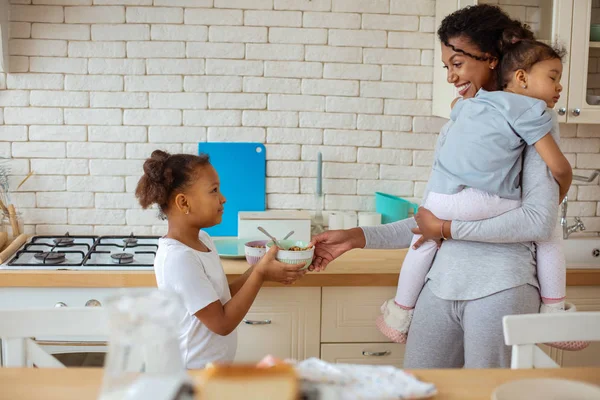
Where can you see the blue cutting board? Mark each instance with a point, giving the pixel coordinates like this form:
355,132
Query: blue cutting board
242,171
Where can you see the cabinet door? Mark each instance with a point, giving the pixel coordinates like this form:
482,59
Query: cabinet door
349,313
364,353
550,20
283,322
584,79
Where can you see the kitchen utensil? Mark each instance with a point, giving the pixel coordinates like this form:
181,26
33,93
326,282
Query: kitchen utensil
255,250
293,257
393,208
12,248
317,226
12,216
3,239
547,389
242,170
260,228
278,223
229,247
288,235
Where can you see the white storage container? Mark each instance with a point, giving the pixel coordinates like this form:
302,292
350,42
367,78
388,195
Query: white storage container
277,223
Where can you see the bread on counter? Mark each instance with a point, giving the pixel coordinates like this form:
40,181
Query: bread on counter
247,382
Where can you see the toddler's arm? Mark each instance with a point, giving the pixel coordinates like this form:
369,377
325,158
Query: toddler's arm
554,158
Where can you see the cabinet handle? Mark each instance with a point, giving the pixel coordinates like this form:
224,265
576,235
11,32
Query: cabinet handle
376,353
576,112
263,322
562,111
60,304
93,303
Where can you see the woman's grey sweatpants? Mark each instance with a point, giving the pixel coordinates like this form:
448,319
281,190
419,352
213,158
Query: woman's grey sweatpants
453,334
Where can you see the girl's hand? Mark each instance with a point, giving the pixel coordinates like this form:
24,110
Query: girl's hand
276,271
430,227
332,244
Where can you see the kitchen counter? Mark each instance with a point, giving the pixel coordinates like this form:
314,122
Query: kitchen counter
355,268
452,384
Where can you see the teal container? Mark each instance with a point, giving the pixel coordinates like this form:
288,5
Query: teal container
393,208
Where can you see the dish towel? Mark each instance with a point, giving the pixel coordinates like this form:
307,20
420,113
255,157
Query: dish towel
354,381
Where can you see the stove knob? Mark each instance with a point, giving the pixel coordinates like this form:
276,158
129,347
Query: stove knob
93,303
60,304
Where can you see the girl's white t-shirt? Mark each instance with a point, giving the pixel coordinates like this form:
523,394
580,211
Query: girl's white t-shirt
199,279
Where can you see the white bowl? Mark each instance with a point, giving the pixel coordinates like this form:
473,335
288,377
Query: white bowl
293,257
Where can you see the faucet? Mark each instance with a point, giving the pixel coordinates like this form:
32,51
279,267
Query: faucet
578,226
568,230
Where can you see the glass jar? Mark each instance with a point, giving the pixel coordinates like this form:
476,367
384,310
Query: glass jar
143,338
10,222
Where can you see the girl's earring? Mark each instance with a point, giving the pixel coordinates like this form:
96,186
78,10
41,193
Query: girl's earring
187,212
491,67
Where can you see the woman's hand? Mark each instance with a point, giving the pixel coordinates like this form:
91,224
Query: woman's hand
276,271
430,227
332,244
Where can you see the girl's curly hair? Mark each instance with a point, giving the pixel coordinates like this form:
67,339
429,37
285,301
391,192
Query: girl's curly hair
164,174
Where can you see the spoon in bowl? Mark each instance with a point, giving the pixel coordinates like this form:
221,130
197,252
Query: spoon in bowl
288,235
260,228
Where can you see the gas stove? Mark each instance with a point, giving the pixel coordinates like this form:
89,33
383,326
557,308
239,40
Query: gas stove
69,252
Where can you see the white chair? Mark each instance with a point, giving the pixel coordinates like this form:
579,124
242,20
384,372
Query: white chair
523,332
18,327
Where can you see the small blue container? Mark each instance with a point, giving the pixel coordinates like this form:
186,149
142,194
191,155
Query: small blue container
393,208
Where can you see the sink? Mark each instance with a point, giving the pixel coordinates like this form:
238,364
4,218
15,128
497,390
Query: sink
582,252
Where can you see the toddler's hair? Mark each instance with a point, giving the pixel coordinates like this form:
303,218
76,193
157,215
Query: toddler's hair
524,54
164,174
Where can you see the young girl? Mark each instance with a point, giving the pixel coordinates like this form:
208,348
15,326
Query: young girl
186,189
476,175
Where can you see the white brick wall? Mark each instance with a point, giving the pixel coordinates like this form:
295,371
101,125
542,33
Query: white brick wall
95,86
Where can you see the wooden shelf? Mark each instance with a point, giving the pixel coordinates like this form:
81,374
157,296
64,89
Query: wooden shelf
595,44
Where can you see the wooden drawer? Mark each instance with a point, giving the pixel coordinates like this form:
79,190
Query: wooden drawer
293,330
349,313
364,353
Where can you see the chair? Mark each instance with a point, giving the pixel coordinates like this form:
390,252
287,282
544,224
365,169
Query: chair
18,327
523,332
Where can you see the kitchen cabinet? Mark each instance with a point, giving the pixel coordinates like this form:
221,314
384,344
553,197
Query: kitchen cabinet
364,353
283,322
565,22
349,313
4,35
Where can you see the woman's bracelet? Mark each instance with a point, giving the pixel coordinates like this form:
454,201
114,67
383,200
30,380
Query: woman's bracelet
442,231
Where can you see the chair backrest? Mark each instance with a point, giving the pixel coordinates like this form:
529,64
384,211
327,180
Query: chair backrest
17,327
523,332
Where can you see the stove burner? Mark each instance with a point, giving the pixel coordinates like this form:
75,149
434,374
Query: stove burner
122,258
64,241
50,257
131,240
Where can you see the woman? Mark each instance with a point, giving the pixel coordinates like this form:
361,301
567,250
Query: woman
483,274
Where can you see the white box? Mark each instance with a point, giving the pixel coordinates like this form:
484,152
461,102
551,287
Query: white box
277,223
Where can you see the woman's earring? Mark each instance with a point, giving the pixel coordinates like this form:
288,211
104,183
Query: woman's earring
524,86
491,67
187,212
